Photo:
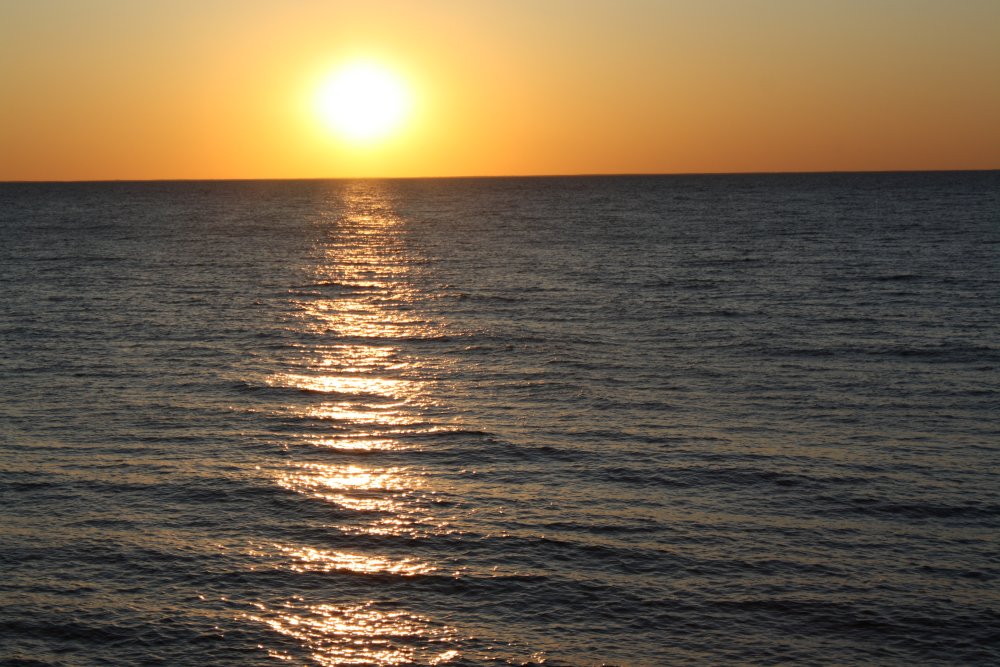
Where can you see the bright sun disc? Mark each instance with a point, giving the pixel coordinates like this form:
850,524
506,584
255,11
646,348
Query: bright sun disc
363,102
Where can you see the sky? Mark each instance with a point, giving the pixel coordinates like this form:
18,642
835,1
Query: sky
207,89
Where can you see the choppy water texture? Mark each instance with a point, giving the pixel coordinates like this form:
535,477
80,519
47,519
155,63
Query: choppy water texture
620,421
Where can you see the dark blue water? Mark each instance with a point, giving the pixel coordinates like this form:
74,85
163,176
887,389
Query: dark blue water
620,421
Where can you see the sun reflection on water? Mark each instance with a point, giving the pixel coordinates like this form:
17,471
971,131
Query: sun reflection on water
359,392
357,444
388,501
330,482
359,320
360,634
353,358
363,415
346,384
310,559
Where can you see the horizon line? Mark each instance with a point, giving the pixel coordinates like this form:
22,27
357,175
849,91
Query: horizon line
502,176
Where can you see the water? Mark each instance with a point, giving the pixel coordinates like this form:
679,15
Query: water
619,421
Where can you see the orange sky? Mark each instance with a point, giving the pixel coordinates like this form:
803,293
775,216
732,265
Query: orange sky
215,89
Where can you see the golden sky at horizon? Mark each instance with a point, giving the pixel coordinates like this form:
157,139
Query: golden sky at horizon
226,89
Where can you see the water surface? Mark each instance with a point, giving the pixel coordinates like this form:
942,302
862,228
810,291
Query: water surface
579,421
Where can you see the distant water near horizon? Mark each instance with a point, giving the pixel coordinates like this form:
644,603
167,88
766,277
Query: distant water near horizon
705,420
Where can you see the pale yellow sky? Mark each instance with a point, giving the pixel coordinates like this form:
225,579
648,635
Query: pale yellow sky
218,89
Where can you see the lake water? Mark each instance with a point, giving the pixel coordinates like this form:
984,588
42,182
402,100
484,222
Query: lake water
572,421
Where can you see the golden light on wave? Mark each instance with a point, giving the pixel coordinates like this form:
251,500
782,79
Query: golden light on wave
388,501
309,559
357,358
328,481
351,487
360,634
357,443
362,319
364,102
386,415
346,384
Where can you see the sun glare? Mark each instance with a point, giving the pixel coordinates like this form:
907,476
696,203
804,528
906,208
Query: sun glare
364,102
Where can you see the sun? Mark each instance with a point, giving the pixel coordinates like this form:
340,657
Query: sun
364,102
